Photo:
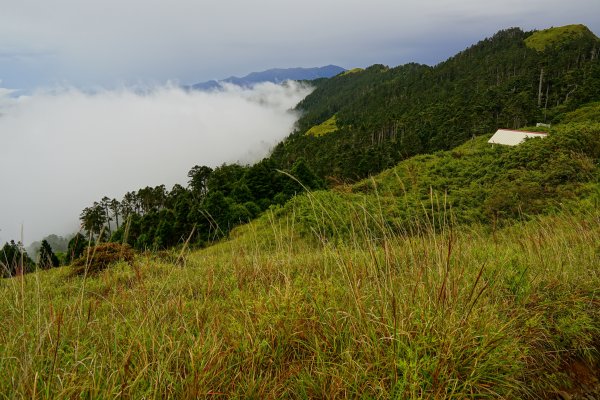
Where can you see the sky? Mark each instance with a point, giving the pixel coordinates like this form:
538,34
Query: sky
102,42
72,114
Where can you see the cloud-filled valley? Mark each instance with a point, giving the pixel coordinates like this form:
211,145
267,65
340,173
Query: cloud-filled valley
63,149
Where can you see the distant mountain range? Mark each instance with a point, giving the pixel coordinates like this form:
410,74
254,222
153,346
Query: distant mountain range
275,75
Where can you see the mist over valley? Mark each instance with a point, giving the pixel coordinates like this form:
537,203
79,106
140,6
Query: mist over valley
64,148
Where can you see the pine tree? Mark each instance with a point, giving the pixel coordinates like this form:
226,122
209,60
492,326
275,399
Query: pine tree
47,258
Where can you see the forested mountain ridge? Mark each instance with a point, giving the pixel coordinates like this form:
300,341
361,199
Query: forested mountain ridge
384,115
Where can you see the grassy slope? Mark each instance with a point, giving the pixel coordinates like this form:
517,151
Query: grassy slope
326,127
551,37
326,298
352,71
589,112
450,314
481,184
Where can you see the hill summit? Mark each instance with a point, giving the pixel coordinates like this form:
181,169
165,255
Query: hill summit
553,37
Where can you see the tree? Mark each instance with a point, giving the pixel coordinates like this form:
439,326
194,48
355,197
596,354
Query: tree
198,180
93,219
216,209
130,205
14,260
115,207
47,258
105,203
303,177
263,180
76,247
58,243
225,178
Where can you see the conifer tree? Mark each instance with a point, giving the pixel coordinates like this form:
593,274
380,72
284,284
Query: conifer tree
47,258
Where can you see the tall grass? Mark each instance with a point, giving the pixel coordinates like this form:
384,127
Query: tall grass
432,311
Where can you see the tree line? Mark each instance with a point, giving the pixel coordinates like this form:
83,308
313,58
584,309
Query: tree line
214,201
14,259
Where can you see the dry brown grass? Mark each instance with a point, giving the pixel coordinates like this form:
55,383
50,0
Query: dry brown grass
101,256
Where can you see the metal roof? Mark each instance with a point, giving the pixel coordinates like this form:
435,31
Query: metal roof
512,138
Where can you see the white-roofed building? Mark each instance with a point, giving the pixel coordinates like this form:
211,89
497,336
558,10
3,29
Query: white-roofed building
513,138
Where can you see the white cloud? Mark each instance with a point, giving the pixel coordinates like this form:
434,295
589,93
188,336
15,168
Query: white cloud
63,149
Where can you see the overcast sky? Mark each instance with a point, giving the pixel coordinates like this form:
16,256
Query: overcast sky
74,127
99,42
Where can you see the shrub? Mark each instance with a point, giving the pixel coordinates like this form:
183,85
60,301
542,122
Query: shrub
100,257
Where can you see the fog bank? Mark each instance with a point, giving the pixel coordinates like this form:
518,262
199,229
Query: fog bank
63,149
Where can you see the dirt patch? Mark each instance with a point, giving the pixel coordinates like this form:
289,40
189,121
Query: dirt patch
585,381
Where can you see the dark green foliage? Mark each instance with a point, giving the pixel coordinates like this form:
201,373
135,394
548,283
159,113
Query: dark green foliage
226,178
14,260
100,257
47,258
76,247
385,115
476,183
93,219
301,177
215,202
199,179
263,180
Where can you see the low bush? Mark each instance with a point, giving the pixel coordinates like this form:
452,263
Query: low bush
100,257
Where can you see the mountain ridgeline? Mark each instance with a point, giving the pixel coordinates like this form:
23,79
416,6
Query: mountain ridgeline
275,75
382,115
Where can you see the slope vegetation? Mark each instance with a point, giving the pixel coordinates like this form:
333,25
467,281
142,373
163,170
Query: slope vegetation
386,114
554,37
471,272
475,183
453,313
401,286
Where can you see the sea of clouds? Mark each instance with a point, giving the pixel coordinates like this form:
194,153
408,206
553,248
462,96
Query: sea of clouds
63,149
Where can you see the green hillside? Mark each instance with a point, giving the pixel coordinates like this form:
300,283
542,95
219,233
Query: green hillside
464,270
475,183
588,112
326,127
396,287
385,115
554,37
358,124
